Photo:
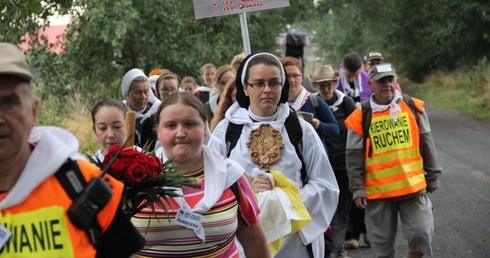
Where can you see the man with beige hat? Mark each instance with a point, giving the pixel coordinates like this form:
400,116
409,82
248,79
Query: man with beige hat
325,81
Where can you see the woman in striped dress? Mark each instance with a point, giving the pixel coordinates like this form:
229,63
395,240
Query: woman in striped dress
208,219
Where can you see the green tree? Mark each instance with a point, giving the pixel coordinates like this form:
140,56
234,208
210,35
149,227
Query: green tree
21,17
107,38
418,36
440,35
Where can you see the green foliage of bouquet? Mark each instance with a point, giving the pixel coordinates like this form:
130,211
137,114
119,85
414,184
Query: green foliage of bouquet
147,181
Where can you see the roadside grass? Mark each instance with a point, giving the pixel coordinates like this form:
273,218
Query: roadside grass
465,90
73,114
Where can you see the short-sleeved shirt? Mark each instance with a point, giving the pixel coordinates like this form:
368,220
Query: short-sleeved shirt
166,239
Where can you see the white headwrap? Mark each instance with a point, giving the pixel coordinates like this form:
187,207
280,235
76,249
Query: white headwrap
126,84
129,78
245,67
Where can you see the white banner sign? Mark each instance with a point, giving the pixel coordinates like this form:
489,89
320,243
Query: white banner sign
213,8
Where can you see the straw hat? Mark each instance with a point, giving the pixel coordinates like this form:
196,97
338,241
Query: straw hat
323,73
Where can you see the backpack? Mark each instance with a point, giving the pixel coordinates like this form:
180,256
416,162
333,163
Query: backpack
295,47
203,96
73,182
293,129
314,101
366,114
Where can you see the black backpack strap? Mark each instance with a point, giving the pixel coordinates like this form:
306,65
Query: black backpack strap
233,133
309,248
234,189
296,137
366,120
72,180
366,117
408,99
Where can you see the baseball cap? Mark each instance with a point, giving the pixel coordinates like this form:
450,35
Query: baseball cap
373,56
13,62
381,70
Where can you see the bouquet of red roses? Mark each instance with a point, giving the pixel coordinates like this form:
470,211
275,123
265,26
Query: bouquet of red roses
146,179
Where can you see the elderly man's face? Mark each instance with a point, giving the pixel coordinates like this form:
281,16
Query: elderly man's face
384,89
18,115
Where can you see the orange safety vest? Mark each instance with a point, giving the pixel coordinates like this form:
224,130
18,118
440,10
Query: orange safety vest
394,166
40,226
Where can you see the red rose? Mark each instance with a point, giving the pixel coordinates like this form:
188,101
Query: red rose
154,165
137,173
118,169
110,154
128,161
130,153
143,175
143,158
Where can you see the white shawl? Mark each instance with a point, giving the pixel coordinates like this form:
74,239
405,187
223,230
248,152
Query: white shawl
54,146
353,92
300,100
219,174
393,106
340,98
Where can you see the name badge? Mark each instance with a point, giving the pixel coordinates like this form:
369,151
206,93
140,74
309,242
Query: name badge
188,219
4,235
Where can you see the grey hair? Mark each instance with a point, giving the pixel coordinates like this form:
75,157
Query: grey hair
138,79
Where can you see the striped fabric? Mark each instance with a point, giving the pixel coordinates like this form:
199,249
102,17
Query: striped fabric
166,239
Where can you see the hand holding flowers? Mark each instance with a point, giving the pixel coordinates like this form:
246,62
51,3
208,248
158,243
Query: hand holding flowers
146,179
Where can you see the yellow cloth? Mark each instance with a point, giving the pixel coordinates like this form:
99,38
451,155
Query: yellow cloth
287,192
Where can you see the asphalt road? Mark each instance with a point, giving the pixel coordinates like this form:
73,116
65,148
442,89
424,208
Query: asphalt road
462,204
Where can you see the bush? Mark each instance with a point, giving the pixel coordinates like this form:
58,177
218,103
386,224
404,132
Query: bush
73,115
466,90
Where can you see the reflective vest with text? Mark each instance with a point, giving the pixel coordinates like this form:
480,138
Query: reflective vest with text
393,164
39,225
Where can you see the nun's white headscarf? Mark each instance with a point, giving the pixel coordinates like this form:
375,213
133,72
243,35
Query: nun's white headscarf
128,78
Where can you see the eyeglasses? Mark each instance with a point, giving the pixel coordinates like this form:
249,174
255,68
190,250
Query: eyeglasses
328,84
261,84
294,76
